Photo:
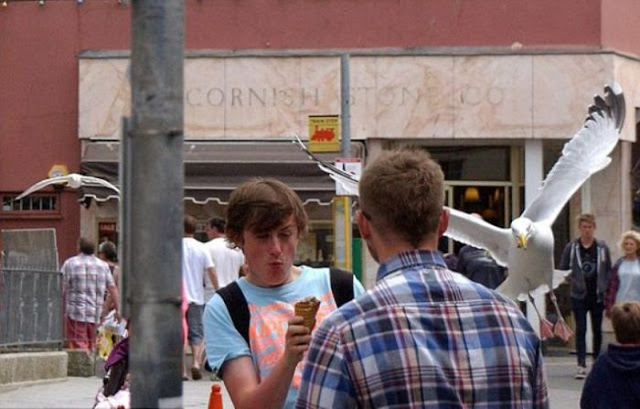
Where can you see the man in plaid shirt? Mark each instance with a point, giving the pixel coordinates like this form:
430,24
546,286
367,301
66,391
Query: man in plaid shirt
85,281
423,337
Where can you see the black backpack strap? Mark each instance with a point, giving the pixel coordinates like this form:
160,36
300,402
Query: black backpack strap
341,285
238,309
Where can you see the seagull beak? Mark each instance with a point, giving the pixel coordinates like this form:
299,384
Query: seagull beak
521,241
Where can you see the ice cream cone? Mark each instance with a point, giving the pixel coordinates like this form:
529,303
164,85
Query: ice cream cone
307,309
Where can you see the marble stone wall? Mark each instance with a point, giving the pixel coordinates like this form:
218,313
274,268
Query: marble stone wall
404,97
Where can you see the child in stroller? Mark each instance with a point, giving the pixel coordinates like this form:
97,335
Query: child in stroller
114,392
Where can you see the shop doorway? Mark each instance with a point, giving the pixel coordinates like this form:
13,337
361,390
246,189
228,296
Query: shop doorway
491,200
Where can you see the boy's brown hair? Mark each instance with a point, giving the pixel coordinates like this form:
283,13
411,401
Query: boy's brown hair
262,205
625,318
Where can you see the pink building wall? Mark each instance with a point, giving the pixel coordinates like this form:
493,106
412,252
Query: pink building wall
39,48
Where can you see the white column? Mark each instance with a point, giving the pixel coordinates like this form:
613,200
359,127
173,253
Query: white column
585,196
533,177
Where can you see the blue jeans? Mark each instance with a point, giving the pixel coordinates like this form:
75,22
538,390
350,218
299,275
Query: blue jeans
580,309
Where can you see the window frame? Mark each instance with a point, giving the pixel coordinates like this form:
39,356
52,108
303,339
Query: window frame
54,213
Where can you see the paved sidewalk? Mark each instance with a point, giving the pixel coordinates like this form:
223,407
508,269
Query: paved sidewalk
564,389
74,392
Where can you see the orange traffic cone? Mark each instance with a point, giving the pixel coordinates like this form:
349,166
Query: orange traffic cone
215,398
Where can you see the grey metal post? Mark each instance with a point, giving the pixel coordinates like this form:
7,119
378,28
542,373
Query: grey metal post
124,216
155,201
345,142
345,108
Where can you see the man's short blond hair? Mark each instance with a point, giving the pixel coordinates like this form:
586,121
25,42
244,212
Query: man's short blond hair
403,191
587,218
625,318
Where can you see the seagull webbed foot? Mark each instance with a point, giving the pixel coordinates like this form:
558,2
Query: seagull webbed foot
546,329
562,330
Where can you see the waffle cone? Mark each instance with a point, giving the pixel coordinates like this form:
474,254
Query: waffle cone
307,309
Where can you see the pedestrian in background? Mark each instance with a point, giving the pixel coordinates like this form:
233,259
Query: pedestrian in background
108,253
259,360
589,260
227,258
424,336
614,380
85,281
196,264
624,283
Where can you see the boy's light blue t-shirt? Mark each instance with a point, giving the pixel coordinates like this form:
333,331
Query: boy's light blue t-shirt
269,310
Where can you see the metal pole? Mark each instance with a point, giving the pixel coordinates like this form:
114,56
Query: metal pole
124,212
155,202
345,222
345,108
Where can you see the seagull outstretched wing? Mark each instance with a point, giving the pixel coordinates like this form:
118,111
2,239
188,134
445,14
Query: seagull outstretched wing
348,181
94,181
42,184
585,154
74,180
476,232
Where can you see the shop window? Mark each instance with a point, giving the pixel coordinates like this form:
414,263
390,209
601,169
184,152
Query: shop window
315,249
32,205
473,162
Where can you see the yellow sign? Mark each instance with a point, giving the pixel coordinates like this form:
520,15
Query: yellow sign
324,133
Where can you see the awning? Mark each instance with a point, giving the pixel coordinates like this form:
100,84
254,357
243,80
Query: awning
214,169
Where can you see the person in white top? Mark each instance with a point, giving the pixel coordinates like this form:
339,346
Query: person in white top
624,282
228,260
196,264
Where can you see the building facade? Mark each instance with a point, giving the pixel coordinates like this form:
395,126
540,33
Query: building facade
493,89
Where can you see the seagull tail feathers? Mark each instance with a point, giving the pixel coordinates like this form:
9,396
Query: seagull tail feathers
559,277
509,288
541,290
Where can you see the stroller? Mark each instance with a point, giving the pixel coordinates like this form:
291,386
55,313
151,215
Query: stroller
114,392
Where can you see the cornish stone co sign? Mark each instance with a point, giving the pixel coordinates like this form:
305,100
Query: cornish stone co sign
413,97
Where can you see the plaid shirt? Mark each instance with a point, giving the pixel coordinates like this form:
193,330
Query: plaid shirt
424,337
85,280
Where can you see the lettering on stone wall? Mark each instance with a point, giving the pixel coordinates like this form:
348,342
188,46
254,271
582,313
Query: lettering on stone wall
237,97
473,95
386,96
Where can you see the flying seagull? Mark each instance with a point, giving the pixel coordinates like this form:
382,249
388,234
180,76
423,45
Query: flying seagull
73,180
526,247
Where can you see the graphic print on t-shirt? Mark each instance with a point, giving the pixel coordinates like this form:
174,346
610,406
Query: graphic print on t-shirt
268,329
